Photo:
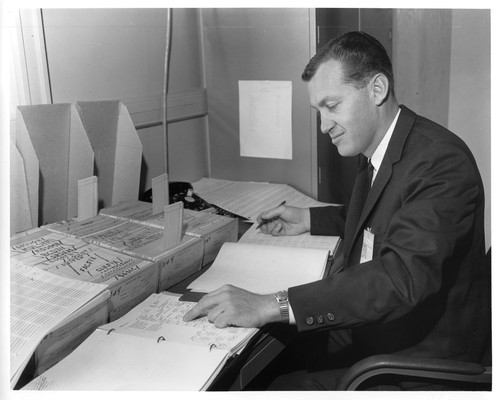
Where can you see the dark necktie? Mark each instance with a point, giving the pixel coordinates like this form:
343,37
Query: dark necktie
359,194
369,172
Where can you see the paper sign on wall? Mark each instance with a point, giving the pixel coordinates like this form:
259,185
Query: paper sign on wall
265,119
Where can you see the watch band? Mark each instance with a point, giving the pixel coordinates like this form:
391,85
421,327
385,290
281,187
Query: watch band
282,299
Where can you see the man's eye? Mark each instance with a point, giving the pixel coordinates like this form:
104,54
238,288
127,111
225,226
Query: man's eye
332,107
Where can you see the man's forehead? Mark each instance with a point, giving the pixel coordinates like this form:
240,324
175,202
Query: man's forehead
326,84
331,70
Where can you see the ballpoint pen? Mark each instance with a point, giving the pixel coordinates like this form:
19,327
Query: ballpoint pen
265,221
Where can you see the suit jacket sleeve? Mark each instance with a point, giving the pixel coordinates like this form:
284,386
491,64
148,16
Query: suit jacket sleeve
329,221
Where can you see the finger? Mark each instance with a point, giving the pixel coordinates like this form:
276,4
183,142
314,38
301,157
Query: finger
222,321
206,303
270,214
195,312
214,313
268,226
277,230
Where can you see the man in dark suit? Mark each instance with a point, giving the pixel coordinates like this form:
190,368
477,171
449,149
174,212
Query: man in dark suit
413,234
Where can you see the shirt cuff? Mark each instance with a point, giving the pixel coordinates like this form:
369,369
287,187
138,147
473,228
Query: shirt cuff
290,314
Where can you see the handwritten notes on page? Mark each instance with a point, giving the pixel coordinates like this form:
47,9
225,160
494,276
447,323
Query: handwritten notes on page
161,314
249,199
262,269
265,119
40,301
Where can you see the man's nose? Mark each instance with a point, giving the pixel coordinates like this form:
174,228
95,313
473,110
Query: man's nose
327,125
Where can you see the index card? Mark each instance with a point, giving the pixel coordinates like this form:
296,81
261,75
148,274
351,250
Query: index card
87,198
172,232
160,193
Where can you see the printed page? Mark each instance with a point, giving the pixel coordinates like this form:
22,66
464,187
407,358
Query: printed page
265,109
124,362
39,302
249,199
160,316
254,235
262,269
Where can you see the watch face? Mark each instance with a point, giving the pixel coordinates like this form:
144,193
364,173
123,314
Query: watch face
282,296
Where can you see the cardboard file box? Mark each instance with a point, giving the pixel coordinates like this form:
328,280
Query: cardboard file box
129,279
213,229
141,241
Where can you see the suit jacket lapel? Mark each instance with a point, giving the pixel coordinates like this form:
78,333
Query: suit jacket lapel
355,226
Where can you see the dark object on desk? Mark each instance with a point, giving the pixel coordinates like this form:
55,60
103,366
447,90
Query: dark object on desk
183,191
192,296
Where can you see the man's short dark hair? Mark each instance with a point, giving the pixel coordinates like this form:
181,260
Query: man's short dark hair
361,55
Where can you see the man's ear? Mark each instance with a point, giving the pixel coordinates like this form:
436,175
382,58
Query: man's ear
380,88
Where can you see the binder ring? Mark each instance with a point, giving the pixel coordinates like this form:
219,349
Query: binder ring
160,339
213,345
111,330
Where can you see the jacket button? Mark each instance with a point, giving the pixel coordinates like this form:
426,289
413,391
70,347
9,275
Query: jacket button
309,320
320,319
330,316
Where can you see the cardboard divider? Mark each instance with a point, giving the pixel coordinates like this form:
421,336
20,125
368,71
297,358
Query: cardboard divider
52,136
117,149
21,217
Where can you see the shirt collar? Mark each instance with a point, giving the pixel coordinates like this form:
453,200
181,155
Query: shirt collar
379,153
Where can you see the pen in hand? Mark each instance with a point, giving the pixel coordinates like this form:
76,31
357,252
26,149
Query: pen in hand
265,221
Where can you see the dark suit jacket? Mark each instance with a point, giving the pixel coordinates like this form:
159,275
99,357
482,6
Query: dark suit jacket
419,294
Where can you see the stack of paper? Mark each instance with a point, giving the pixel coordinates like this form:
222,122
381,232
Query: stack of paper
40,302
249,199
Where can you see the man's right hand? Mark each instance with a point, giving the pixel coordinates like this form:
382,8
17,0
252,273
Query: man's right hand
285,220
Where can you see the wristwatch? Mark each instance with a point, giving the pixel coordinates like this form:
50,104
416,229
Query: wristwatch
282,299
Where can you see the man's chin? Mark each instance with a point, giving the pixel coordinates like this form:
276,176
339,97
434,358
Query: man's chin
346,152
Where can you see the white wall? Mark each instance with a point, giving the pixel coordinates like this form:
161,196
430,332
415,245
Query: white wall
470,91
442,71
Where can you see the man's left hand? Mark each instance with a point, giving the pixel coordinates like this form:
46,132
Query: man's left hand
232,306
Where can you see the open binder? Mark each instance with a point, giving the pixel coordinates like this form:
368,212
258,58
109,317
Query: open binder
150,348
